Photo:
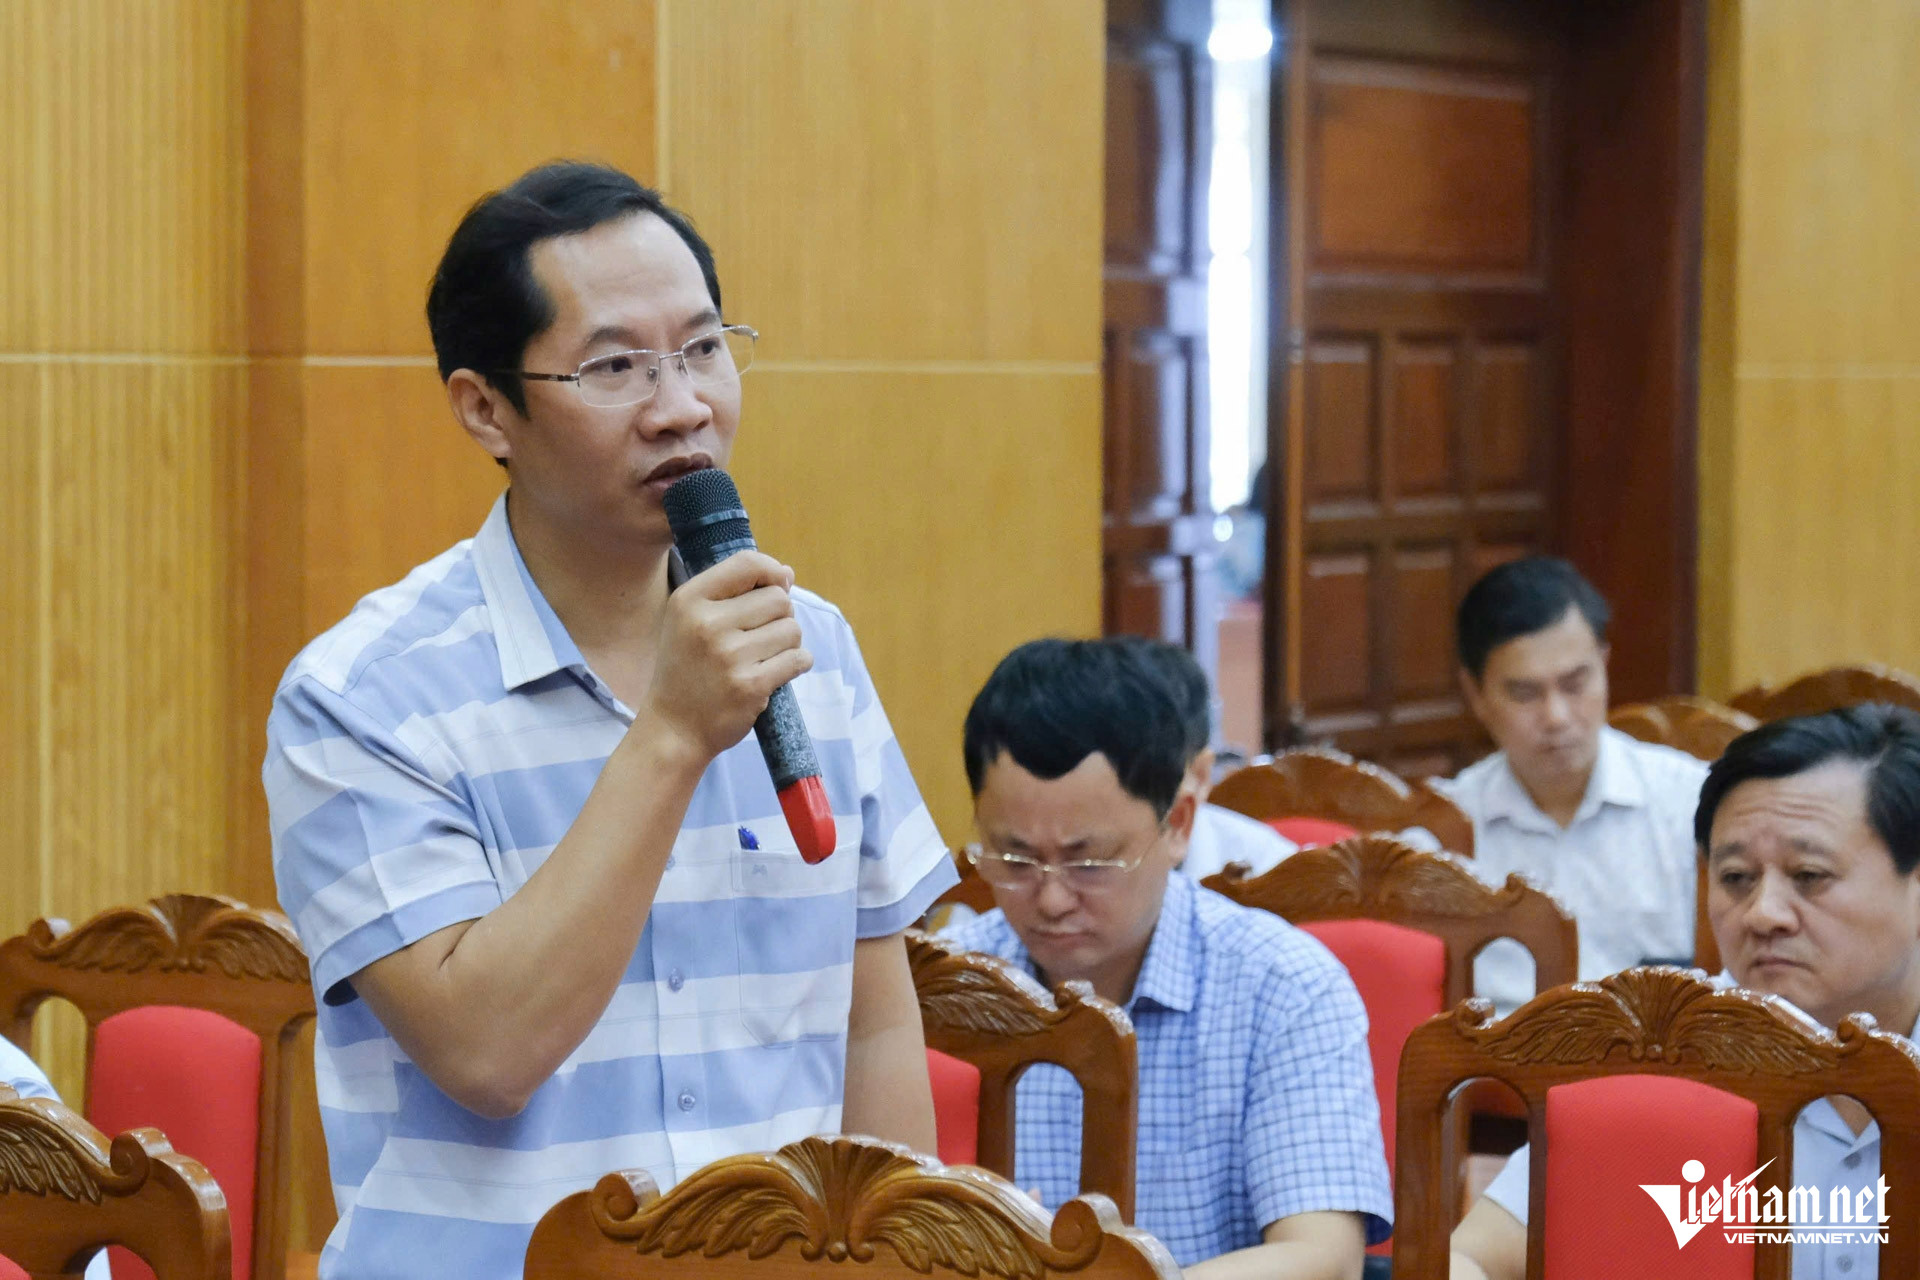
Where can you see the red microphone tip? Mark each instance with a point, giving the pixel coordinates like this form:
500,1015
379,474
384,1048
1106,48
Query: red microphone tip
809,817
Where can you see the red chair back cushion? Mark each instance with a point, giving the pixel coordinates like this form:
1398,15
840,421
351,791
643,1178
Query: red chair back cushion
1310,833
195,1076
1608,1137
956,1107
11,1270
1402,977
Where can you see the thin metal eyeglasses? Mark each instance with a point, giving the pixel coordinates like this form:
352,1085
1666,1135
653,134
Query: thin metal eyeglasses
1020,873
624,378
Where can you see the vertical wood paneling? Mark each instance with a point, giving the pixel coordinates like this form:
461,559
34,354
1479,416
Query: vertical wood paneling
906,199
1811,361
122,191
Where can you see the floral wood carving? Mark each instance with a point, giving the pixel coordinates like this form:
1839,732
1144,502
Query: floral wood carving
842,1196
1661,1014
971,991
40,1155
181,932
1366,876
1321,782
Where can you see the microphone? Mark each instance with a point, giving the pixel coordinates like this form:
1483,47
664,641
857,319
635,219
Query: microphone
709,524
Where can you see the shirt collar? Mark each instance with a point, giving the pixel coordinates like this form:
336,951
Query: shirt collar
1170,973
532,641
1614,781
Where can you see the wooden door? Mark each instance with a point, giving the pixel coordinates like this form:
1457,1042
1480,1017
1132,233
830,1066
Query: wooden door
1438,166
1158,519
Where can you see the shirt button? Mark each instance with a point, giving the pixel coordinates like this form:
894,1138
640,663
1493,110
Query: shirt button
1845,1263
1852,1161
676,979
687,1101
669,862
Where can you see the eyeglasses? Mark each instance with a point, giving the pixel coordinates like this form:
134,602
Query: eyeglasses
1019,873
614,381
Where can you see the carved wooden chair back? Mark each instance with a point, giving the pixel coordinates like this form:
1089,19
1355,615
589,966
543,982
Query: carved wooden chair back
1662,1022
65,1191
195,952
827,1206
1829,689
986,1012
1700,727
1319,782
1380,878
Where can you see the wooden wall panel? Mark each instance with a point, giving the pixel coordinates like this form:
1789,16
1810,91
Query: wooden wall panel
905,199
22,621
894,182
413,111
937,523
1810,402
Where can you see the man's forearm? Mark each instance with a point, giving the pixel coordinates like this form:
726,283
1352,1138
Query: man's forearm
887,1092
490,1012
1290,1260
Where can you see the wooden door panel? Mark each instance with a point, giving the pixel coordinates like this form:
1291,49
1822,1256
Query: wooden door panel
1158,516
1337,596
1419,167
1340,426
1424,581
1424,394
1506,418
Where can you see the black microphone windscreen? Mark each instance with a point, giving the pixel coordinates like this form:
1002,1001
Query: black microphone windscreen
708,521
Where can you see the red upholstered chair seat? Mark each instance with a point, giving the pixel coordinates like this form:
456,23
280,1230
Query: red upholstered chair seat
9,1270
1310,833
195,1076
956,1108
1402,977
1606,1138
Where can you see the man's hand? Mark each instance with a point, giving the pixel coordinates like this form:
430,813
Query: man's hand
729,639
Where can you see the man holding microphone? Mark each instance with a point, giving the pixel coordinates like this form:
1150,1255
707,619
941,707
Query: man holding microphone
557,923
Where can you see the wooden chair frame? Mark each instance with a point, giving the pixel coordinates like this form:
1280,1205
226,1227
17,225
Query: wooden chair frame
64,1192
194,950
834,1204
1700,727
1319,782
1380,878
1650,1021
983,1010
1829,689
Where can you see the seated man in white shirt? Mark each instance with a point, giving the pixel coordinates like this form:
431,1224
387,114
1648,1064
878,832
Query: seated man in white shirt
1219,835
1598,819
1811,831
23,1075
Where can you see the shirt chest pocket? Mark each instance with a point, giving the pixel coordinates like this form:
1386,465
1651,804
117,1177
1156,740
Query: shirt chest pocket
794,925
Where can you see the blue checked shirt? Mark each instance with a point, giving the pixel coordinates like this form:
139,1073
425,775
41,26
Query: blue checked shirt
423,759
1256,1088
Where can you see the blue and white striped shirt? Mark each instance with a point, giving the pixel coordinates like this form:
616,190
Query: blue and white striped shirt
423,758
1256,1087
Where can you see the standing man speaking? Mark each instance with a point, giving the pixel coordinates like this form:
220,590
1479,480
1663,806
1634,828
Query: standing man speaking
557,923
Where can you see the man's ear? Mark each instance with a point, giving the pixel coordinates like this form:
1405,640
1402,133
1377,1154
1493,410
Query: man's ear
1200,774
1186,807
483,412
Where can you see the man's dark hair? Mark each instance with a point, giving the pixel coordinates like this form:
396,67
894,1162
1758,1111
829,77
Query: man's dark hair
1185,680
485,306
1519,598
1052,703
1884,738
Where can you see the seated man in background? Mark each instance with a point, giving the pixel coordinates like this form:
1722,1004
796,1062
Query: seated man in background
1259,1135
1811,832
1598,819
1219,835
22,1074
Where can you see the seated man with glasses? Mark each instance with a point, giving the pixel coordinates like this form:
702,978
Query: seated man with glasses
1259,1134
557,922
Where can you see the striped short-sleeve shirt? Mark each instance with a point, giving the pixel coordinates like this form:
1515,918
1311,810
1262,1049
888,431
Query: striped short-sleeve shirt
424,757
